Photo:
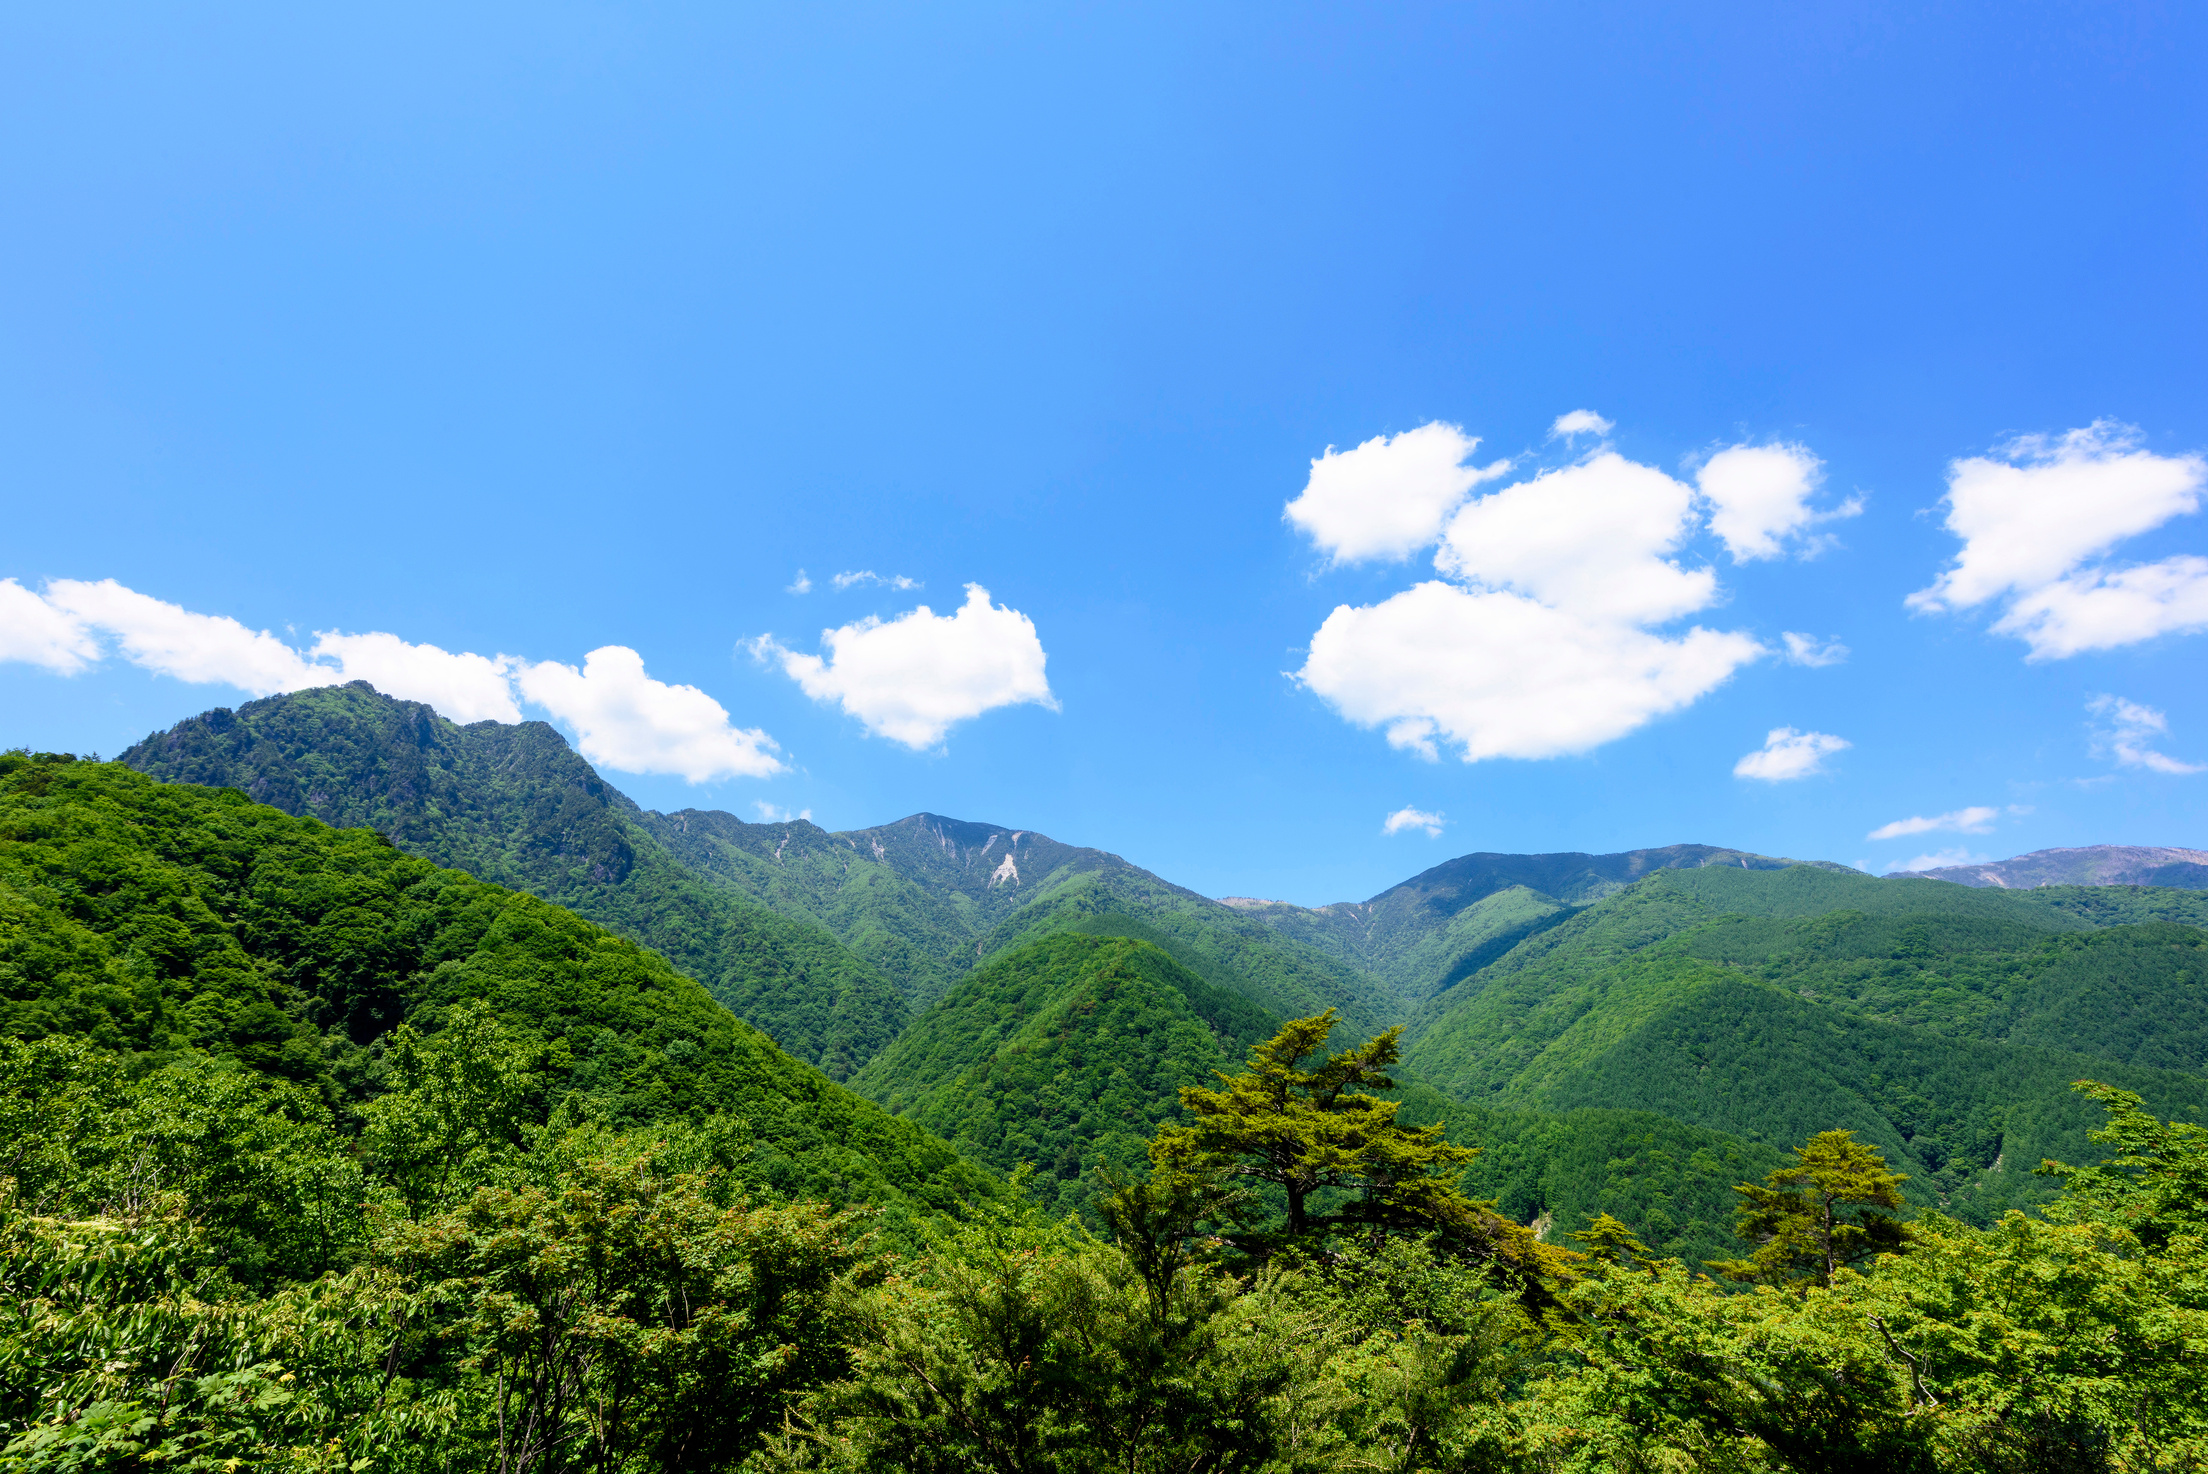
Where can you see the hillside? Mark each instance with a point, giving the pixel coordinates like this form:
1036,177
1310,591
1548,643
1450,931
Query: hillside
1444,924
1065,1055
1944,1023
516,806
928,897
2095,865
162,920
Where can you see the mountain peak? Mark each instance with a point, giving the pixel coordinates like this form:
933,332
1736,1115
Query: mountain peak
2093,864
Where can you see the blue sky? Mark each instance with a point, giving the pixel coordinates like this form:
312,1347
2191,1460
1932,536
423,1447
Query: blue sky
542,331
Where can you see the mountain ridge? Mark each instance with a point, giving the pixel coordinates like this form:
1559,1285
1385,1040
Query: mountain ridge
2091,865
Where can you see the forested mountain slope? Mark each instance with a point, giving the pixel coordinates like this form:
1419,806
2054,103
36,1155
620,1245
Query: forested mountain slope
1944,1023
1446,923
155,920
514,805
927,898
1065,1054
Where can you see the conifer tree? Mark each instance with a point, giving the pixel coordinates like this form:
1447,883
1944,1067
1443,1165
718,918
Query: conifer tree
1831,1208
1311,1127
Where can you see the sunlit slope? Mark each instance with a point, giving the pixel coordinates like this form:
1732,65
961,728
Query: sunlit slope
151,919
928,898
513,804
1944,1023
1444,924
1063,1055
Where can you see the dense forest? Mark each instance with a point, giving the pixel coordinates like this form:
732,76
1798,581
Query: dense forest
513,804
445,1138
319,1157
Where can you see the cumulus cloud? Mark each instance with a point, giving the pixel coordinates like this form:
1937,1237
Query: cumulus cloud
1410,818
1787,754
170,640
1760,498
625,719
911,678
1543,635
463,688
34,631
866,576
1808,650
1579,422
770,814
1594,538
800,584
1978,819
1389,497
2037,518
2126,728
1937,860
1497,674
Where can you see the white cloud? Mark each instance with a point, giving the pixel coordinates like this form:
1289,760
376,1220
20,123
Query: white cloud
1389,497
625,719
1787,754
800,584
172,641
1591,538
463,688
1978,819
1760,494
1411,818
1543,642
911,678
2034,515
844,581
1808,650
1501,675
34,631
2126,730
1579,422
622,717
1936,860
770,814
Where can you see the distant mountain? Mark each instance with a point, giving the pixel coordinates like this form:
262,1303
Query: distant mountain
1446,923
2093,864
928,898
514,805
1945,1024
826,941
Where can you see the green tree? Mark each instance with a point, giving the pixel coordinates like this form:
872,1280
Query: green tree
2156,1181
1833,1207
622,1318
1336,1153
1023,1346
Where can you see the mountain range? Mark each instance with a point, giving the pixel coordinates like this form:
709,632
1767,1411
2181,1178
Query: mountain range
1629,1033
2095,864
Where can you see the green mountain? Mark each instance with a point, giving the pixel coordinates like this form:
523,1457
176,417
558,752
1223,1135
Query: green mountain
1623,1032
1941,1022
514,805
1444,924
1068,1053
158,920
1064,1054
928,898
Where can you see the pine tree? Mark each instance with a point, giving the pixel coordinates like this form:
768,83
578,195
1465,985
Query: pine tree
1314,1129
1831,1208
